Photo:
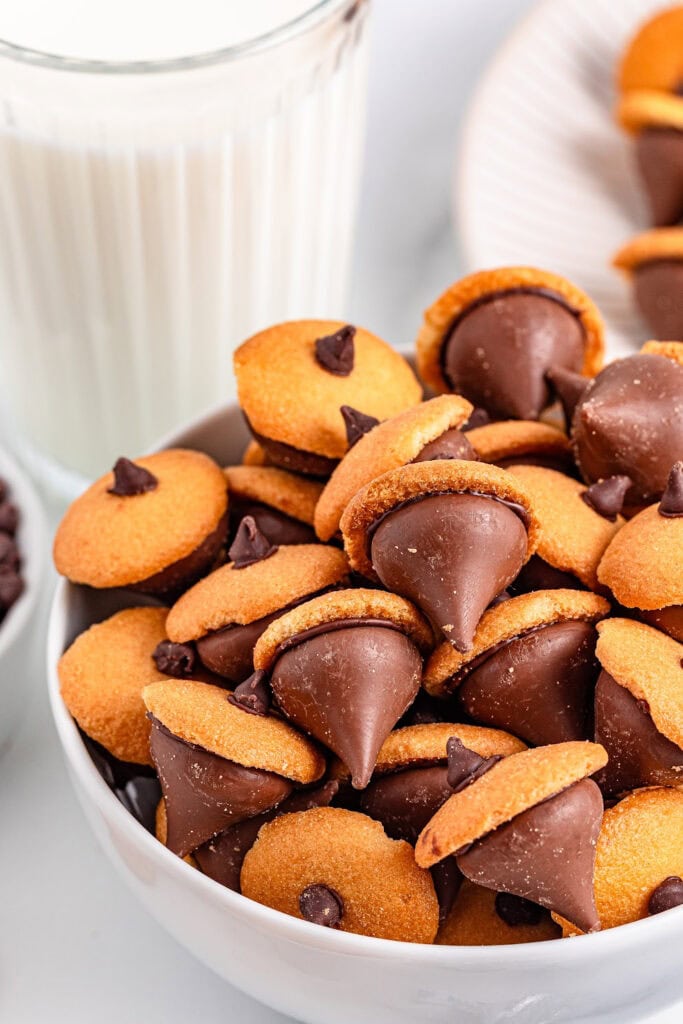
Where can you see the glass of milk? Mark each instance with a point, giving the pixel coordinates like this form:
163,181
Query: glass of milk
174,176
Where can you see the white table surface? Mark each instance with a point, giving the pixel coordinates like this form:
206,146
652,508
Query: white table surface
74,945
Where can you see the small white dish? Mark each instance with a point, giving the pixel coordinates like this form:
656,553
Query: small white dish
325,977
545,176
18,655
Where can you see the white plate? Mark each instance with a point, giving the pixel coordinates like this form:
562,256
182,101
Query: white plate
546,177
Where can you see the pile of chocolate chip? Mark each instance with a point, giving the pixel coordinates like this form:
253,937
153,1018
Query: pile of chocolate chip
414,669
11,581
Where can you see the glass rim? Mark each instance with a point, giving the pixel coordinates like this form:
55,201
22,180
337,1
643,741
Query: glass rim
309,18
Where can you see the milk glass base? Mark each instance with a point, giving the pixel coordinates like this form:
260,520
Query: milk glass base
154,215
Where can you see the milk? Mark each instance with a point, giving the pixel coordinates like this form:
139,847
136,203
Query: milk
150,220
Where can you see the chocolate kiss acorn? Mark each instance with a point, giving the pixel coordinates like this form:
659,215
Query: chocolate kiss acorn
532,669
527,826
221,858
639,706
655,119
653,58
344,667
280,503
449,536
639,862
224,614
629,422
526,442
493,335
154,525
480,917
427,432
218,764
642,565
338,869
315,367
410,782
653,264
576,523
101,677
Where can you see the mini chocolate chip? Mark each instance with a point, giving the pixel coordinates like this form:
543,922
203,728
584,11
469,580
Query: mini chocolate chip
666,896
335,352
464,765
177,660
131,479
9,517
11,588
249,545
321,905
9,553
479,418
515,910
567,386
671,504
606,497
253,694
357,424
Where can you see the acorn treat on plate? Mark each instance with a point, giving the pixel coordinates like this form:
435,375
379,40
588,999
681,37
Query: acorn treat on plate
653,264
383,675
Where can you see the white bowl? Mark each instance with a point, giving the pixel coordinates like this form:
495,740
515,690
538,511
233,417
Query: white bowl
19,658
326,977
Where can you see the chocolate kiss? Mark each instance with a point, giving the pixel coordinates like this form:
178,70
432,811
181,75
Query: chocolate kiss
451,554
659,152
452,444
671,504
499,350
568,387
639,755
545,854
538,686
204,793
348,686
606,497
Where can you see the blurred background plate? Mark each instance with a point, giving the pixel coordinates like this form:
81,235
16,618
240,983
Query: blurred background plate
545,176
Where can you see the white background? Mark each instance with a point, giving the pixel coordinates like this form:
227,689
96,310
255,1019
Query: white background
74,945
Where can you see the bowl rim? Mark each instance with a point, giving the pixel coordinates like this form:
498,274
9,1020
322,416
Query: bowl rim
31,540
580,950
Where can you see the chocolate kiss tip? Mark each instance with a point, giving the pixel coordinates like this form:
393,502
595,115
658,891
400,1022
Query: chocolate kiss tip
177,660
131,479
252,695
671,505
357,423
464,765
336,352
568,386
249,545
606,497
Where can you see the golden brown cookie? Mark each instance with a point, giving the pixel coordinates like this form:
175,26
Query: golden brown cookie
202,715
254,455
165,524
102,675
293,379
338,868
653,58
231,596
572,535
447,668
640,847
337,606
647,663
394,443
650,247
281,503
509,442
670,349
461,297
379,497
475,921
